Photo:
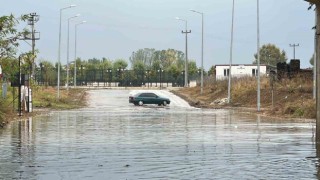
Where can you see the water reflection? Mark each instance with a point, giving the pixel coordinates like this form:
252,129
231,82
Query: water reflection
120,141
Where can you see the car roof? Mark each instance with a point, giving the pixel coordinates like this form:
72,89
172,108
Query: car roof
146,93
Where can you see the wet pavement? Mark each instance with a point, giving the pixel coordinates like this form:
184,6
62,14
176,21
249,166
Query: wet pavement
112,139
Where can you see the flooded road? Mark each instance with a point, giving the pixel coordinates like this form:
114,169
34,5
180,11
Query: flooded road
112,139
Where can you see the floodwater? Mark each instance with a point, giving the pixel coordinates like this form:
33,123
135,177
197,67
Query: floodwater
112,139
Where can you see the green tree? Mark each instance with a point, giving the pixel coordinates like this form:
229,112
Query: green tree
212,71
146,56
9,35
312,60
174,71
47,72
192,67
270,55
153,59
120,64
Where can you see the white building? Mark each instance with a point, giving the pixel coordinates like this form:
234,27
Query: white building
241,70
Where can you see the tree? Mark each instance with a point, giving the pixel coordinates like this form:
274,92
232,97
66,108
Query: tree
312,60
192,67
270,55
212,71
47,72
152,58
9,35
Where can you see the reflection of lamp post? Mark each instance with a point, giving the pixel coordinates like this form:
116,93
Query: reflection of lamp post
75,53
160,73
19,99
59,51
110,76
148,76
68,49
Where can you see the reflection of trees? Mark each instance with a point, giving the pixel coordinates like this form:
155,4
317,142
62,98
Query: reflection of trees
22,150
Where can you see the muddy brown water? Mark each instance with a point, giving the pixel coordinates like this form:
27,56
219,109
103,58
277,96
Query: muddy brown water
112,139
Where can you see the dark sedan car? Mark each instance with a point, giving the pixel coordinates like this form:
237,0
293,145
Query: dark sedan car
148,98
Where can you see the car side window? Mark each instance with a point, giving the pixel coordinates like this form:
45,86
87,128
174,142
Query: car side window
148,95
154,95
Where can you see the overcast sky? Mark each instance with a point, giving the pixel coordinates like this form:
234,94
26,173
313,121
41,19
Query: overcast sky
116,28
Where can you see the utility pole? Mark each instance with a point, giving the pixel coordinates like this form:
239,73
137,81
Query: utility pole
258,58
33,18
317,77
294,49
31,21
186,64
315,58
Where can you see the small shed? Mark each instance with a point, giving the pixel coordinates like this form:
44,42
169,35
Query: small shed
241,70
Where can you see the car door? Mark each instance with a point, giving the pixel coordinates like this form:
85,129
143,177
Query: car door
150,98
154,98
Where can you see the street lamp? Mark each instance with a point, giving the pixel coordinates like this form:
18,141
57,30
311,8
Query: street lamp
148,76
258,58
68,48
182,72
186,63
41,79
75,53
160,72
120,74
201,13
231,53
59,50
110,76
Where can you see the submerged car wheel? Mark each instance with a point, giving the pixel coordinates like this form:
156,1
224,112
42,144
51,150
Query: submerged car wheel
164,103
140,103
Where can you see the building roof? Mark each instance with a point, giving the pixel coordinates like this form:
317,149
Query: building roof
243,65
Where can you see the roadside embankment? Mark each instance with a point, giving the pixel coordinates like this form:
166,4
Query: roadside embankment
290,98
44,100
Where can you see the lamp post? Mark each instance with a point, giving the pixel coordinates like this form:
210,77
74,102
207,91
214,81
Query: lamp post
41,79
201,13
148,76
59,50
258,58
110,76
186,63
160,72
68,48
231,53
183,72
120,74
75,53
